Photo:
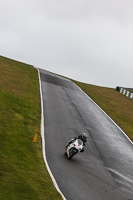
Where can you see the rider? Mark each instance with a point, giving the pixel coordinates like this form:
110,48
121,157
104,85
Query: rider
82,137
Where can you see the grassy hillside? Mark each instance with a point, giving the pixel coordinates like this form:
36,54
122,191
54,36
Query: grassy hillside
23,174
116,105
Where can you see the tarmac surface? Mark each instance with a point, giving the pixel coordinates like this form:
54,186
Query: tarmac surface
105,169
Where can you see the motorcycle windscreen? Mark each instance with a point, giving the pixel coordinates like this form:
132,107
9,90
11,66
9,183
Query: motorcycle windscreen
79,142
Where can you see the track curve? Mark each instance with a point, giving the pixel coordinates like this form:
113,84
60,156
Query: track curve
105,169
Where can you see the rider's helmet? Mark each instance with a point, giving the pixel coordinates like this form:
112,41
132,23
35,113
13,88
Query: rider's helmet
84,136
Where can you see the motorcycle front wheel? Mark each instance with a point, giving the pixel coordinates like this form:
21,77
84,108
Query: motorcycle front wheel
71,153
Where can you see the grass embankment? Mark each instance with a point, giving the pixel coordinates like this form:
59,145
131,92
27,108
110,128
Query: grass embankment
116,105
23,174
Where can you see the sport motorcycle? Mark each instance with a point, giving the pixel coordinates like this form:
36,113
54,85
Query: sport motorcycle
73,148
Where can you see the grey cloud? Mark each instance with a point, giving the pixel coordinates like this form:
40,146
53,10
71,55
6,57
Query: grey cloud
89,40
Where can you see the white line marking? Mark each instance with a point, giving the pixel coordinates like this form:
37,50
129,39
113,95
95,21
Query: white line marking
43,139
105,113
42,131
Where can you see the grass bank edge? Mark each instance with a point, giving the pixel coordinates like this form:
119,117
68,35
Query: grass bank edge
117,106
22,170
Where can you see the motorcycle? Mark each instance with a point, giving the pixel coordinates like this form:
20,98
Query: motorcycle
73,148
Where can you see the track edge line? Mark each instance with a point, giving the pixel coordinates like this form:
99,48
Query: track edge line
43,140
105,113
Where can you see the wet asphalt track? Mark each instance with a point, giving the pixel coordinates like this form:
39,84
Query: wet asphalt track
105,170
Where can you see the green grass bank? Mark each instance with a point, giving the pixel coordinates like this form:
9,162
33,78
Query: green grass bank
23,174
117,106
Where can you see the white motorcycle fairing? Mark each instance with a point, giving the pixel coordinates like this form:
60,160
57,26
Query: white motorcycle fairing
73,148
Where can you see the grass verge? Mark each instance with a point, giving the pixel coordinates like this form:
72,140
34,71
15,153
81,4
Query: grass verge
23,174
116,105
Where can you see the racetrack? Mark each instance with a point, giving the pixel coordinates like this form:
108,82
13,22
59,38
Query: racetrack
105,169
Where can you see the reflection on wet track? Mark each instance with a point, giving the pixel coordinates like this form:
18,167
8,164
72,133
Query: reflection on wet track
105,169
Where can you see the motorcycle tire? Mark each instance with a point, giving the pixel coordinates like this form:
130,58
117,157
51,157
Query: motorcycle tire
71,154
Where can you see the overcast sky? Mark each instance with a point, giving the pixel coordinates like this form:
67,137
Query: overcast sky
88,40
